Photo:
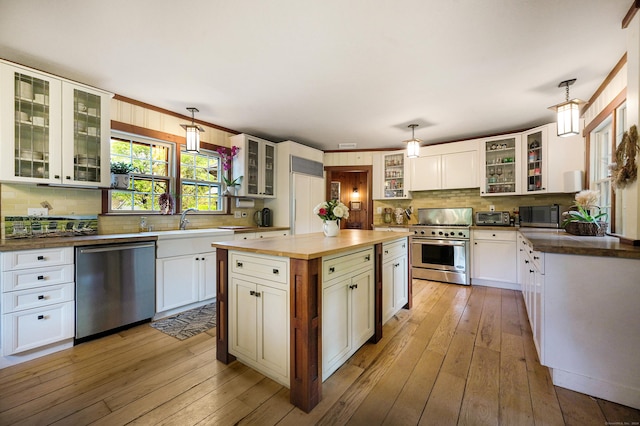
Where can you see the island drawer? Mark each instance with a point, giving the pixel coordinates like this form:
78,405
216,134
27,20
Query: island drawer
269,268
393,249
341,264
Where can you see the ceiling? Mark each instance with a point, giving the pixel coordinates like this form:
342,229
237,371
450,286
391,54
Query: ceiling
329,72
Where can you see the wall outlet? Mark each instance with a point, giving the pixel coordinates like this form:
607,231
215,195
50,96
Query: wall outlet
37,211
379,210
244,214
492,208
237,214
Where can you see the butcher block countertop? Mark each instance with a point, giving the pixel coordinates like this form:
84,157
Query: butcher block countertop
311,246
559,241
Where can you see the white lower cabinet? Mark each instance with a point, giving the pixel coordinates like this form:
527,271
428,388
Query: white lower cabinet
183,280
494,260
348,307
531,265
259,314
395,288
37,299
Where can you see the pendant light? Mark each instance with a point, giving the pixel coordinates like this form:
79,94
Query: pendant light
413,144
193,132
568,112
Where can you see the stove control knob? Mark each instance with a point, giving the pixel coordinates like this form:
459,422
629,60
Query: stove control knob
440,233
422,232
415,232
446,234
461,234
433,232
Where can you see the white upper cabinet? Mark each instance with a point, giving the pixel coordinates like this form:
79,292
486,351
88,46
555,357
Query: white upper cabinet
535,149
53,131
500,170
445,166
256,163
391,176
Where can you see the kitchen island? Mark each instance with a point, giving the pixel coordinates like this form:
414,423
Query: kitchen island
581,295
311,259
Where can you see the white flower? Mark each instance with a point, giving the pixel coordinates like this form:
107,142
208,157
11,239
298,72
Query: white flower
339,211
322,205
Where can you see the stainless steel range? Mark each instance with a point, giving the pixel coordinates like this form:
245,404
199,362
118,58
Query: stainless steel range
440,245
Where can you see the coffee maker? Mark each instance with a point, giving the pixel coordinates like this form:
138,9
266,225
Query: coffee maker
262,217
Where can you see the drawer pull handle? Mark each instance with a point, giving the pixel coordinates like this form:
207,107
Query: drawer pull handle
395,265
40,257
40,277
257,294
239,264
41,297
493,235
332,270
403,246
367,258
531,271
40,317
353,286
276,271
535,258
386,252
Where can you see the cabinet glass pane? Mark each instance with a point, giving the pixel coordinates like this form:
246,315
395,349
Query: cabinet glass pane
269,161
500,166
252,167
31,126
86,136
393,175
534,162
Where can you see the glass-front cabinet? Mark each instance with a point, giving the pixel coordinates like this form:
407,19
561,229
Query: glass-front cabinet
500,165
535,149
391,176
52,131
256,163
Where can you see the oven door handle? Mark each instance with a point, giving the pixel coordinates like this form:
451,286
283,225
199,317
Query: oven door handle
456,243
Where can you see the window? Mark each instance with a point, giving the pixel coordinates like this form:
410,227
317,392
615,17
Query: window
200,177
603,142
152,161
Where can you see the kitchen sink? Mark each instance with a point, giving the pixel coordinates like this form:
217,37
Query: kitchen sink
189,241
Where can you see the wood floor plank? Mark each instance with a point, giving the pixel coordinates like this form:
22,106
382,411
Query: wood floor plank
272,411
515,399
447,327
619,414
490,321
85,416
470,319
579,409
509,314
480,404
443,407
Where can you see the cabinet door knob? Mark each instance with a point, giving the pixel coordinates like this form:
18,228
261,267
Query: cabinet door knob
395,265
535,258
68,177
40,317
257,294
56,176
367,258
526,261
386,252
531,271
276,271
239,264
332,270
252,293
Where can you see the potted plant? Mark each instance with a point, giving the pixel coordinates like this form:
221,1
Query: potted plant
232,184
120,174
585,220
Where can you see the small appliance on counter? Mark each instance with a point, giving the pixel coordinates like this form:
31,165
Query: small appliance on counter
493,218
262,217
541,216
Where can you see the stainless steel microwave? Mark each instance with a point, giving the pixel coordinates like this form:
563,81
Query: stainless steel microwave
493,218
541,216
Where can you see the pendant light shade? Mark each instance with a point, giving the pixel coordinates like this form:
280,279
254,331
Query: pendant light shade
413,144
568,113
193,132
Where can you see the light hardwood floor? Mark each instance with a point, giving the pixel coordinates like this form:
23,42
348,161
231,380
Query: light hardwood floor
462,355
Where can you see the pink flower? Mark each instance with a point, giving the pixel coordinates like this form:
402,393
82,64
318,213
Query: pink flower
227,157
322,212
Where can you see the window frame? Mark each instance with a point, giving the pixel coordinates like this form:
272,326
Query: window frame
225,208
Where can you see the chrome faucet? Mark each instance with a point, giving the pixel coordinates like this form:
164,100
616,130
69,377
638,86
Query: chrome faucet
183,219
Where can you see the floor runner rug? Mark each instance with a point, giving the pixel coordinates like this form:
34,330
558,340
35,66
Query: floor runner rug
188,323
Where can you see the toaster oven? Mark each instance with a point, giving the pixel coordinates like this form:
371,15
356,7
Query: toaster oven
493,218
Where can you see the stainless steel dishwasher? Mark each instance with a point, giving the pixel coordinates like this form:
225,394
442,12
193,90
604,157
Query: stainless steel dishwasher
115,287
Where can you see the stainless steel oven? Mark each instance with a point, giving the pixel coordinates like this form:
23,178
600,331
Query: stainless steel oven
440,245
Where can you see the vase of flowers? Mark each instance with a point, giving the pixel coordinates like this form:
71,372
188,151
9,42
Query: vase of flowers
586,218
331,212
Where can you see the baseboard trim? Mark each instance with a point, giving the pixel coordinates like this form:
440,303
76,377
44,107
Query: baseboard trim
496,284
613,392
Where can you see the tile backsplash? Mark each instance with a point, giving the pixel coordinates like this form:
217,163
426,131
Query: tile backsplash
468,198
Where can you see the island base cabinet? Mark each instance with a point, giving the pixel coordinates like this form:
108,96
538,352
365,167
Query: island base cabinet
259,315
347,318
395,286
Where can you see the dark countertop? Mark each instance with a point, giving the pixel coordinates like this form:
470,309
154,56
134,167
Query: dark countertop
86,240
559,241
